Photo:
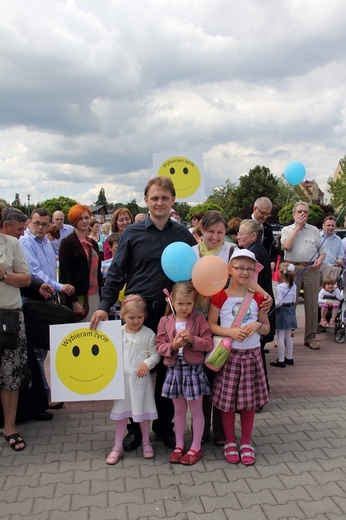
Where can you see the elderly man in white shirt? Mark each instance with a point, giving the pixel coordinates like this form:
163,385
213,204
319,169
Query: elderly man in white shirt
303,247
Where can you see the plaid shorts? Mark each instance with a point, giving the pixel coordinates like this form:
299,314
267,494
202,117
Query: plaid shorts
241,383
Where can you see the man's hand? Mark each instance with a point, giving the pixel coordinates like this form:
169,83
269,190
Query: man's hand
68,289
46,290
97,317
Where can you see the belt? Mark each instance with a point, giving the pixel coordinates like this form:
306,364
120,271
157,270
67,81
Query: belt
287,304
300,263
156,304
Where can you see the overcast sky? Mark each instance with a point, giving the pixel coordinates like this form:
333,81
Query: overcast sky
90,89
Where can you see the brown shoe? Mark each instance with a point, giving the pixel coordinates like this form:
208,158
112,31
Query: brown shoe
312,344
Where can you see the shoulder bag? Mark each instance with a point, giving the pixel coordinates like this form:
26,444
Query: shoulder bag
217,357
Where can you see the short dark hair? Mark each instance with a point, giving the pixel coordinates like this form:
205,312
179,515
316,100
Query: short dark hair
329,217
161,182
42,212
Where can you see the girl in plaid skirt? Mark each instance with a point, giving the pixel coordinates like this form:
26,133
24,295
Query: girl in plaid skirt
183,338
241,383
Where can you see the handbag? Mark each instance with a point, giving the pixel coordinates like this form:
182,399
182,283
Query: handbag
275,275
39,315
217,357
9,328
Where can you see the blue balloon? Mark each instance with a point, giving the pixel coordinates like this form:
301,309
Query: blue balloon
177,261
295,172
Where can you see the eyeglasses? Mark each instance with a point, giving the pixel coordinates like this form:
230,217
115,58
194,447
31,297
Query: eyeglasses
40,224
240,234
302,211
242,269
264,213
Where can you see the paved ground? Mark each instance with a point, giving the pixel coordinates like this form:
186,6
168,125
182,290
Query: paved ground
300,472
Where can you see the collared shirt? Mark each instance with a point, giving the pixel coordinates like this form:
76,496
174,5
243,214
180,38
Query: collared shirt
13,261
64,232
307,245
334,248
137,261
41,259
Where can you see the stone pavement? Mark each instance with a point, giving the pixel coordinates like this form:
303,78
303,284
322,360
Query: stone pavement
300,471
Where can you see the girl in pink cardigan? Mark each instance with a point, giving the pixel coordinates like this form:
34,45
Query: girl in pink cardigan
183,338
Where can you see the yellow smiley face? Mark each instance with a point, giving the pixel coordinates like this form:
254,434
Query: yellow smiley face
184,173
86,361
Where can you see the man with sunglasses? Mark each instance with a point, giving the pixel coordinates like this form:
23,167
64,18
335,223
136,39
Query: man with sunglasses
303,248
262,210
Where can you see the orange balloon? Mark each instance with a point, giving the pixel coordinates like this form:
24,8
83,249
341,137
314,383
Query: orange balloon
209,275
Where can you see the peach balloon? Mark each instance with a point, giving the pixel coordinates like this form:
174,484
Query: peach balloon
209,275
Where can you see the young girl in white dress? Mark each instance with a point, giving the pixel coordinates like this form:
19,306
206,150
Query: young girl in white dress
140,356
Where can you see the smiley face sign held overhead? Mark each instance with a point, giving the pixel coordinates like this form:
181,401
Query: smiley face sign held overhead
184,173
86,361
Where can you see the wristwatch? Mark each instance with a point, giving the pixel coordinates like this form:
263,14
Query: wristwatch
4,277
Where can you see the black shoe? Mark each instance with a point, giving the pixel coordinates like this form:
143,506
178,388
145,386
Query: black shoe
43,416
131,441
169,440
260,409
289,361
55,406
277,363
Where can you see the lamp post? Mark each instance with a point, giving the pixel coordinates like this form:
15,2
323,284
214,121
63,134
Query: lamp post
28,195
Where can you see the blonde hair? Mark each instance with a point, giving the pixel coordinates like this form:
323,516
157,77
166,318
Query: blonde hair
287,274
184,288
133,301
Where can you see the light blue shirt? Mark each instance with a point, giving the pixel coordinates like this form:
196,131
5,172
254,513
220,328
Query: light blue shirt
41,259
64,232
334,249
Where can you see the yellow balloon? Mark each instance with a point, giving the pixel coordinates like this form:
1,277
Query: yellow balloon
121,296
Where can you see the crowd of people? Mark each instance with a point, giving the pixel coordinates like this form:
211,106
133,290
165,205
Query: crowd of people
89,266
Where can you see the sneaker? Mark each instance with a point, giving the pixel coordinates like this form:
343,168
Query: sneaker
289,361
277,363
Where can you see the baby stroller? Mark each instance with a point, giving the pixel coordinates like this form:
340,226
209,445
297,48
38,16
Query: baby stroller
340,322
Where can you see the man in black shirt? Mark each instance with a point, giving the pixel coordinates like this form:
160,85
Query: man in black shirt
137,262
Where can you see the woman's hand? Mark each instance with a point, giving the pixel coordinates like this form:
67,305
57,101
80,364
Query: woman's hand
267,302
142,370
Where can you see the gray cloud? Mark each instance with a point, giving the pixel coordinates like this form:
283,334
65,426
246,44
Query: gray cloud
90,90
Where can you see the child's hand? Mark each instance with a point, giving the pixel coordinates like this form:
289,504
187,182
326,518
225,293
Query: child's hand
142,370
251,328
186,336
237,333
178,342
330,303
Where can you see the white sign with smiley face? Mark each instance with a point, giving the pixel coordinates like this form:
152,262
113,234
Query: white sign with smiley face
186,172
86,365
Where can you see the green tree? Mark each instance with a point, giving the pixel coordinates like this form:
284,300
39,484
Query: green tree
101,199
223,197
259,182
316,215
133,207
183,209
203,208
337,188
4,202
62,203
288,193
